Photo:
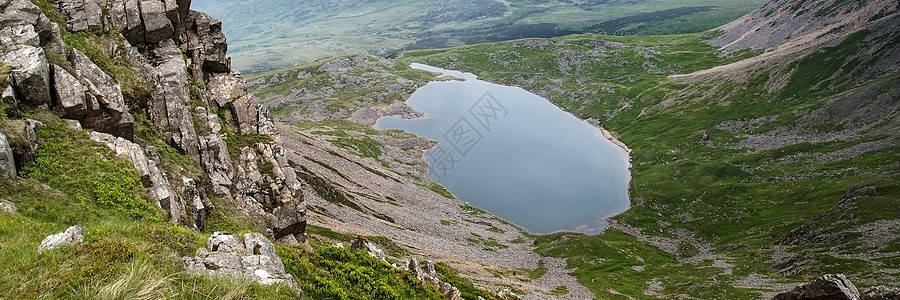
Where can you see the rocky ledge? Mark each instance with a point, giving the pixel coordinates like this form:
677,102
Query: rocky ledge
254,259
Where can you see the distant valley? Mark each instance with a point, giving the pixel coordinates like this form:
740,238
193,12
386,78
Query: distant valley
263,35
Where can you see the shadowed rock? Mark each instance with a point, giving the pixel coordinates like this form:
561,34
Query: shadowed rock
7,161
30,74
828,287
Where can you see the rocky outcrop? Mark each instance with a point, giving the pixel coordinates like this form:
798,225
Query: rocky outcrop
361,243
30,74
7,161
206,43
106,105
269,187
429,275
72,236
882,293
201,207
225,256
170,106
828,287
147,165
8,207
87,14
199,105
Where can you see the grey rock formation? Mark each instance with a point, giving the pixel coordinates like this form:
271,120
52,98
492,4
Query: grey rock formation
201,207
18,13
71,95
507,294
72,236
7,160
19,35
25,152
74,124
214,154
157,26
254,259
9,99
229,91
428,275
8,207
828,287
206,44
152,177
269,187
170,108
361,243
84,14
112,115
882,293
195,99
30,74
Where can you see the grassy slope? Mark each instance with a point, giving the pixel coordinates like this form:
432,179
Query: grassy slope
740,213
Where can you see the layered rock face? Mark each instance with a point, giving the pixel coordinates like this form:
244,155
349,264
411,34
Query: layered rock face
225,256
198,103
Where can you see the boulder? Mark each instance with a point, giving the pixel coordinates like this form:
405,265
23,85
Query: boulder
134,29
30,74
73,124
72,236
111,115
254,259
23,34
828,287
8,207
290,227
18,12
71,95
7,160
157,26
81,15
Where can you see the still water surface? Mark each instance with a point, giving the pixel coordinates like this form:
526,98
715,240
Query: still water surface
516,155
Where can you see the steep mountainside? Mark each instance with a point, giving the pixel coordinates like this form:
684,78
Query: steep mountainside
267,34
124,128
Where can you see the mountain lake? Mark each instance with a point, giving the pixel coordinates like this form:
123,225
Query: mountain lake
515,154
